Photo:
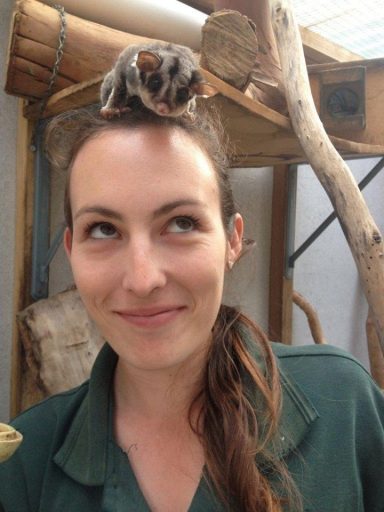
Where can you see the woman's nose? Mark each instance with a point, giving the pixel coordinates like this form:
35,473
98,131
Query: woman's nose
143,269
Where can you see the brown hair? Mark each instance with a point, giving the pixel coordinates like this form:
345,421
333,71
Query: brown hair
67,133
234,435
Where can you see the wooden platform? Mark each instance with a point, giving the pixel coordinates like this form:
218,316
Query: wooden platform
261,136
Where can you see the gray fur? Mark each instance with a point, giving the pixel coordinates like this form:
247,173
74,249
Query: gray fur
177,72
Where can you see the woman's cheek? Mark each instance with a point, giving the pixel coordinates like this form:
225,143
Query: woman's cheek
91,276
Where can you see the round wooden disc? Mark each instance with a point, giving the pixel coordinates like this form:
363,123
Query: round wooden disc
229,47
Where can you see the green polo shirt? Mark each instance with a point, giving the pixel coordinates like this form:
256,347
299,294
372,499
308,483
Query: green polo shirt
331,437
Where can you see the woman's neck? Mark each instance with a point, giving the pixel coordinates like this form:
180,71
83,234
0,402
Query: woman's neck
163,395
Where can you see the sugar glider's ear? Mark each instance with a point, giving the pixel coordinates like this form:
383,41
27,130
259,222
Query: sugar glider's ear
148,61
204,89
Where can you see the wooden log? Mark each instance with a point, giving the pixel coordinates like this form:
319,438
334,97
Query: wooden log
361,232
226,34
60,341
312,317
266,81
71,67
40,73
89,48
36,88
376,356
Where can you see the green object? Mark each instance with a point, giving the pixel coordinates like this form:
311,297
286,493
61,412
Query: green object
332,437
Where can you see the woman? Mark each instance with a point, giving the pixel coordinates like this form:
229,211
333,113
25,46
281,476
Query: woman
188,407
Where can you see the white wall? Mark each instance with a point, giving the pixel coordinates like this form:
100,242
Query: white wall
326,273
8,118
248,284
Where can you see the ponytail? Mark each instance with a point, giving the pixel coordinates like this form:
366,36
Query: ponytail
240,413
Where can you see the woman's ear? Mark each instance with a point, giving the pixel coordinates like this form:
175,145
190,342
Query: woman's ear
68,242
235,240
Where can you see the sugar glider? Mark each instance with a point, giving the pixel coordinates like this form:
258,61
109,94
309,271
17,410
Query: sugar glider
164,76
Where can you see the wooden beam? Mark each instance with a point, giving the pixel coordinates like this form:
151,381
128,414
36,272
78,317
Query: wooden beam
23,249
280,286
259,135
88,92
318,49
75,96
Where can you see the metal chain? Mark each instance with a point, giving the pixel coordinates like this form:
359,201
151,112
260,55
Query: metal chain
59,51
55,69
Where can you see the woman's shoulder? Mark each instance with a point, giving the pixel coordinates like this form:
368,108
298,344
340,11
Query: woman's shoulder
319,356
52,408
44,427
340,409
325,370
284,351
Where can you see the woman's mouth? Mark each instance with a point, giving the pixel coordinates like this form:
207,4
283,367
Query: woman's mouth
151,317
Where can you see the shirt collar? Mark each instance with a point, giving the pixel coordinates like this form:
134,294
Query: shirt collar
83,455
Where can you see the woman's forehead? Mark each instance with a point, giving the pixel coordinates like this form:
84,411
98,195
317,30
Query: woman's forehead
145,160
155,136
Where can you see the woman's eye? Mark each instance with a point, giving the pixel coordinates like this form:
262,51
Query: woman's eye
103,230
182,225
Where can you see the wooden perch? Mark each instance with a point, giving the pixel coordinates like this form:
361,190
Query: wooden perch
361,232
312,317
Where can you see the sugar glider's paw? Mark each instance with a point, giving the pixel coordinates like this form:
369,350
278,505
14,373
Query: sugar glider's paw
189,115
109,113
124,110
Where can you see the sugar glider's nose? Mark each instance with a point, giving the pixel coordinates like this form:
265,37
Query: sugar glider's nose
162,108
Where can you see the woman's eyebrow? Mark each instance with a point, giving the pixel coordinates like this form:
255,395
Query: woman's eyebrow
168,207
162,210
105,212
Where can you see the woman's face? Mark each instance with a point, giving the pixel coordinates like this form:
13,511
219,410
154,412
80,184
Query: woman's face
148,249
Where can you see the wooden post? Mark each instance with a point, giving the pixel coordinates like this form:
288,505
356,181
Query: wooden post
280,286
361,232
23,249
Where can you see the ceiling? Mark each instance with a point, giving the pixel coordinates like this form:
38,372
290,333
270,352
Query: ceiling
356,25
353,24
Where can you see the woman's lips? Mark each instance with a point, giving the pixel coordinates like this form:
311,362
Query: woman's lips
151,317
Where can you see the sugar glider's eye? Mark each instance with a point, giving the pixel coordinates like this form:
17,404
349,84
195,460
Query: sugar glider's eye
182,95
154,82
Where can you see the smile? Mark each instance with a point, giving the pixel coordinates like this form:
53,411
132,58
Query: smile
152,317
